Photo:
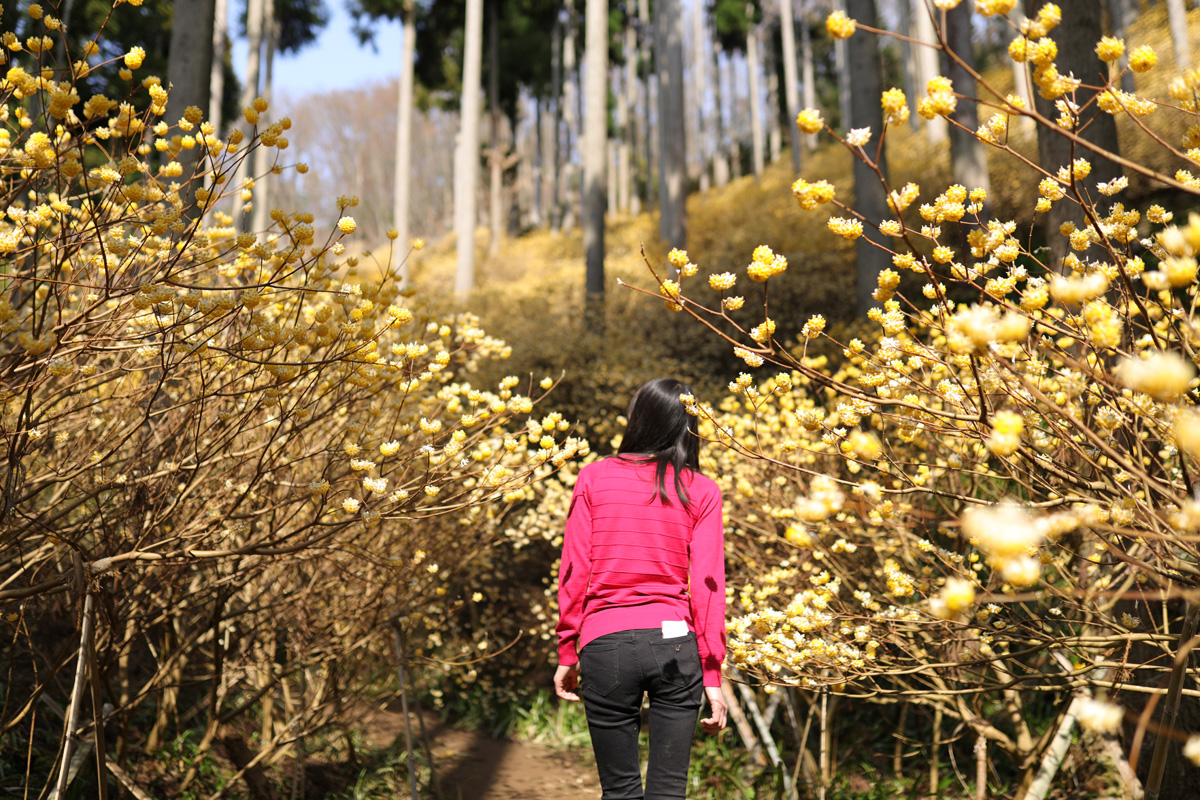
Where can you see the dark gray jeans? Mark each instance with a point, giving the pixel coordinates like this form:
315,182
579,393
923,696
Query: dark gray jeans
616,670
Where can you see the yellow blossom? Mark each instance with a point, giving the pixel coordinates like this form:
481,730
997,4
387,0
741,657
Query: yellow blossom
811,195
809,120
994,8
839,25
1143,59
895,106
1164,375
812,329
1110,49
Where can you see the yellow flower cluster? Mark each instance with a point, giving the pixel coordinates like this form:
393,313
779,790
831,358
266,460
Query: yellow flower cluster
994,8
809,120
941,101
840,26
846,228
811,195
895,107
765,263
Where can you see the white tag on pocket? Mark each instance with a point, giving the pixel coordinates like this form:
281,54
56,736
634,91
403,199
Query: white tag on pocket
673,629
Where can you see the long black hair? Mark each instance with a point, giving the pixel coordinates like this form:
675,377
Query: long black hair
660,430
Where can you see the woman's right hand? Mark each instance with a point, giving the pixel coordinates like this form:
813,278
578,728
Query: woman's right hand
566,680
715,722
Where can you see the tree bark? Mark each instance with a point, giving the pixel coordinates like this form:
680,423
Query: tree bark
841,55
720,151
404,113
553,142
673,147
870,198
627,104
907,67
1022,87
774,135
216,79
570,120
649,97
926,61
791,89
734,133
495,157
537,160
1177,21
254,24
595,141
753,64
1122,14
808,74
699,95
188,69
264,156
968,160
1076,54
613,174
466,165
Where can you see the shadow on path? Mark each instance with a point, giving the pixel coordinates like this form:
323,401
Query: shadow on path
472,765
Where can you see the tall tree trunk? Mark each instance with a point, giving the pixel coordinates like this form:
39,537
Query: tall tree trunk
808,74
1178,22
401,180
1123,13
595,139
646,58
216,79
720,151
699,95
254,30
753,63
523,149
926,60
774,136
537,162
188,71
673,147
907,67
554,142
731,143
1075,55
1020,71
495,157
264,156
613,179
968,160
791,88
870,198
570,120
628,106
841,56
466,167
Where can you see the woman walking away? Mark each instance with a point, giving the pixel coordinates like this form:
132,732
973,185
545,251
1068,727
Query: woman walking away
641,597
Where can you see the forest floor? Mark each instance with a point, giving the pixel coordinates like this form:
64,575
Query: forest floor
472,765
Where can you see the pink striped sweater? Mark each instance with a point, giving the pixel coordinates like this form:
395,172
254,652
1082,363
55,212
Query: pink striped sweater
630,561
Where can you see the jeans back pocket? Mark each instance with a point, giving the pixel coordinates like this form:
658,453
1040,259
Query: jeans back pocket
678,659
601,667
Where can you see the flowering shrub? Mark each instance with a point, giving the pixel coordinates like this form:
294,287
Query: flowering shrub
992,493
237,464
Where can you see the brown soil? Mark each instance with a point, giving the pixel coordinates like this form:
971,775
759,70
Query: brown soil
474,766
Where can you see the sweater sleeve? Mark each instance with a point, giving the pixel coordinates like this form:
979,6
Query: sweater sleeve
574,570
707,593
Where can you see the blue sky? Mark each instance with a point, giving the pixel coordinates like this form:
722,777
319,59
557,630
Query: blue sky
334,61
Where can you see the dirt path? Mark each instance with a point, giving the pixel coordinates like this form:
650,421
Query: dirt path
474,766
